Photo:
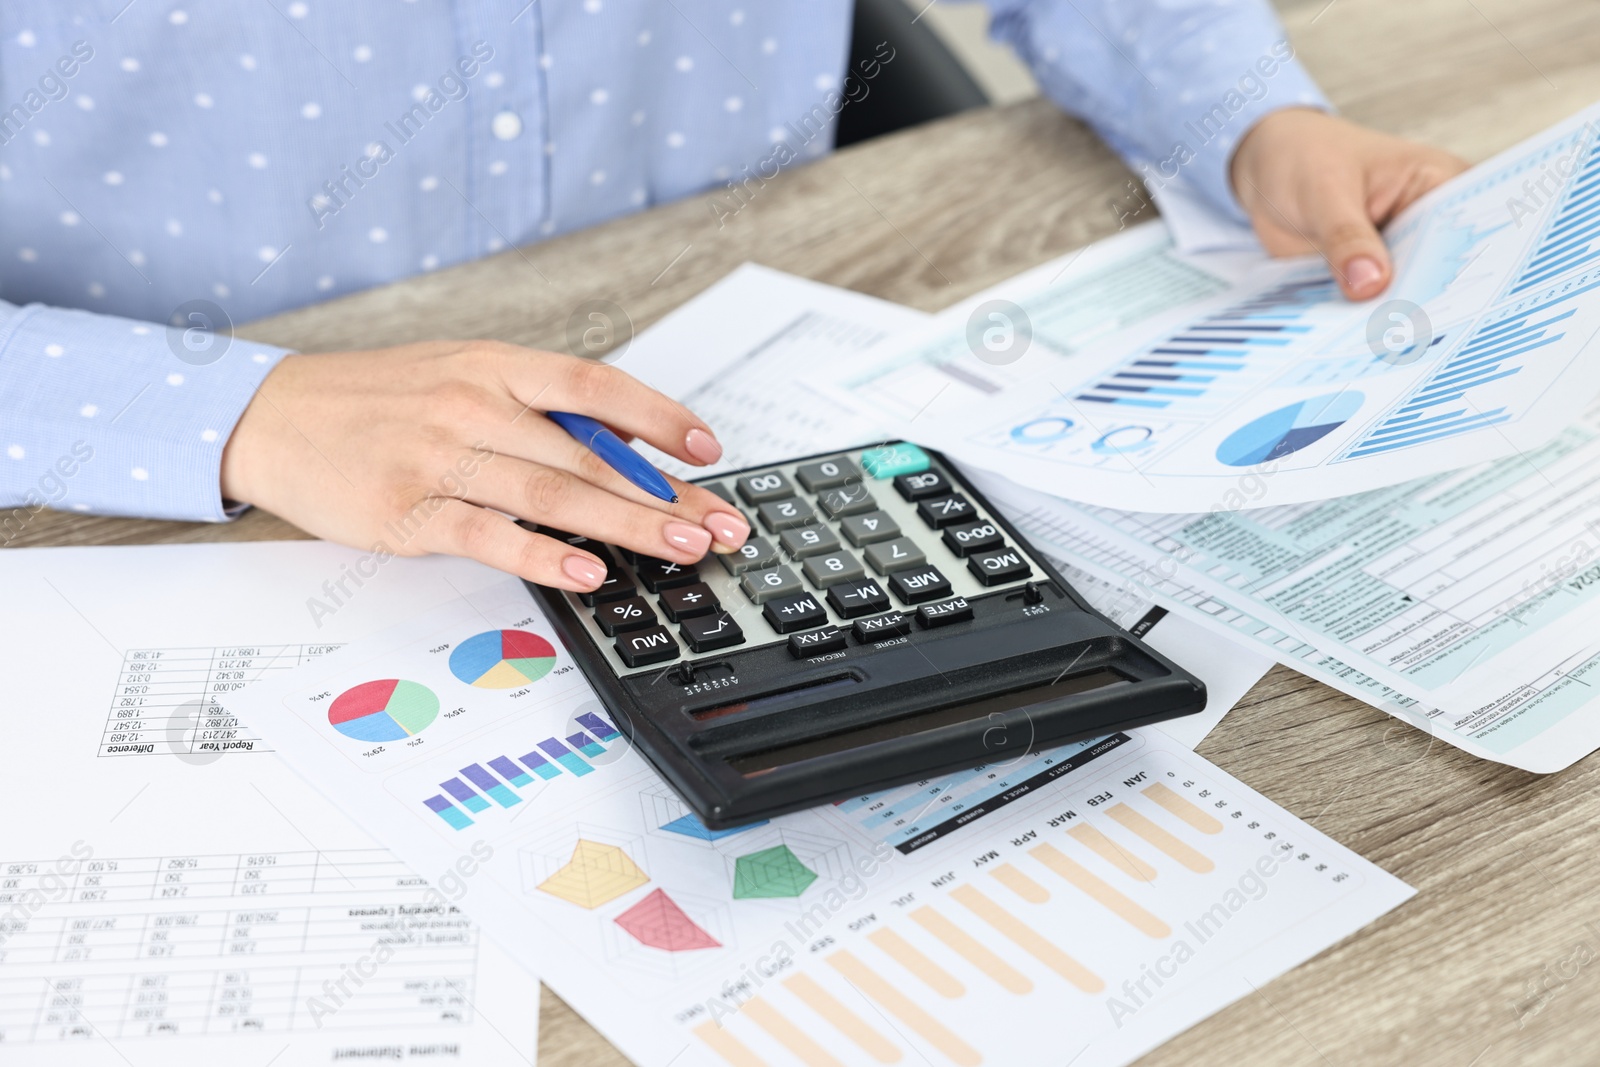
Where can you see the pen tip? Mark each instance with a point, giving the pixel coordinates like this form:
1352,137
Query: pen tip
674,498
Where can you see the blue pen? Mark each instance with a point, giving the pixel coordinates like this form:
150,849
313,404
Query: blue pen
616,453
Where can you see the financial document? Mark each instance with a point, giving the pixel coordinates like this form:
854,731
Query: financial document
1077,904
170,891
1127,375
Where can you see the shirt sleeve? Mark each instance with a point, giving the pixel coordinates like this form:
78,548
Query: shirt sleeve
119,417
1172,85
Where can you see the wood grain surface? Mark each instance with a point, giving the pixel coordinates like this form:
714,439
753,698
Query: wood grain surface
1469,972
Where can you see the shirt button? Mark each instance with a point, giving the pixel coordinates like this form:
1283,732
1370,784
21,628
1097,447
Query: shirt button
506,125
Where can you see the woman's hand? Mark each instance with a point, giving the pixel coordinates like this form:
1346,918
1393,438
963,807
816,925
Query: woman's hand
408,448
1311,182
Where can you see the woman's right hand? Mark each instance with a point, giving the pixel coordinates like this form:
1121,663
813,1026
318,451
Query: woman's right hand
408,449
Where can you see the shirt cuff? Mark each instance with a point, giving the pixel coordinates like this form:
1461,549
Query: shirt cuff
119,417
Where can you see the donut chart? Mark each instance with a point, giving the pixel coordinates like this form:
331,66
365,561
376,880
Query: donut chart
502,659
387,710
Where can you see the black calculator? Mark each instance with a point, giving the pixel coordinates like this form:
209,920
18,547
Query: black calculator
883,624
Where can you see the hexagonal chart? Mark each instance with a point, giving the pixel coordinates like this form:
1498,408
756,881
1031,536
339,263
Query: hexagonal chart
770,872
658,922
596,874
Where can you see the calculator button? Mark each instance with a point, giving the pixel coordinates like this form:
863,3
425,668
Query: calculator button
719,489
707,633
639,647
816,642
939,512
995,568
850,499
615,587
827,473
762,586
923,485
870,528
786,514
755,554
853,599
808,541
835,567
760,488
659,574
916,586
790,613
895,555
897,459
618,616
945,612
882,627
970,537
687,601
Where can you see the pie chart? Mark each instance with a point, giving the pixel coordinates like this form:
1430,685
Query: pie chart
387,710
1289,429
502,659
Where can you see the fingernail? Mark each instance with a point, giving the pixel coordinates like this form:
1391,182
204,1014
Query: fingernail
1362,273
583,570
702,446
730,531
686,538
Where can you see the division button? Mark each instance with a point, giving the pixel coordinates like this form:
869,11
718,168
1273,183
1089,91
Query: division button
968,537
640,647
755,554
923,485
762,586
816,642
823,571
895,555
760,488
945,612
827,473
919,584
997,568
903,458
687,601
783,515
659,574
808,541
870,528
852,599
707,633
939,512
850,499
882,627
617,616
790,613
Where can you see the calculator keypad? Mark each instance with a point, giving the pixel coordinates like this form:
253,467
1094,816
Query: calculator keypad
841,559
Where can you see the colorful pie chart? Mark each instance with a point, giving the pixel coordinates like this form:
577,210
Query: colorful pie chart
387,710
502,659
1289,429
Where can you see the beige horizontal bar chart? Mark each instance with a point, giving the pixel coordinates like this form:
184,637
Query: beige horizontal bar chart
730,1048
1190,813
1112,853
1103,892
972,950
787,1034
1161,839
871,984
842,1019
917,962
1020,884
1027,938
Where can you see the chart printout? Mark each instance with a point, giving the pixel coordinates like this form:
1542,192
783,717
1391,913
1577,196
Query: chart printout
1103,896
1159,396
194,902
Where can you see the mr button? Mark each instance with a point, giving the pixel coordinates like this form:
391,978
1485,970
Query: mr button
919,584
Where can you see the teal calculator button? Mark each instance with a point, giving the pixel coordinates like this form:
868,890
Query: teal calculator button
895,459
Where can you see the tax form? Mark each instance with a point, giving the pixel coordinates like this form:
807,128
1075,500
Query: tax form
170,891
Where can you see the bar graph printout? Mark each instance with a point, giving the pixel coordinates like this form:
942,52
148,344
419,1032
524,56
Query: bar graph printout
991,927
1166,391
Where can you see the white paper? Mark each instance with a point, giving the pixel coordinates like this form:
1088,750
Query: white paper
1270,374
170,892
928,922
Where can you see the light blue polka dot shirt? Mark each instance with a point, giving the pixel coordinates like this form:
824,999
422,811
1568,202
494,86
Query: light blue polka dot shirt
176,159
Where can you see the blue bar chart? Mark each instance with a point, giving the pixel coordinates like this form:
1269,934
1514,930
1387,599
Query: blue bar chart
1573,239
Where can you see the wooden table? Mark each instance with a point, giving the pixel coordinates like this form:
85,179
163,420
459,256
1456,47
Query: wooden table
1471,971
